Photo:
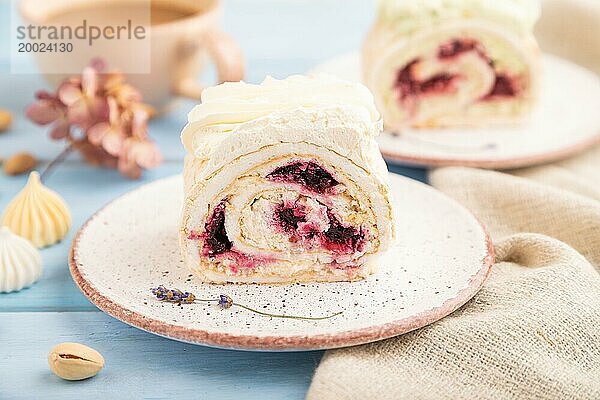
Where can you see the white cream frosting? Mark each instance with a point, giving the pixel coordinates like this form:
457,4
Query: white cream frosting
227,106
409,15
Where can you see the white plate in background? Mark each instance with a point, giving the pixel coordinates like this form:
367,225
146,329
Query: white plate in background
565,122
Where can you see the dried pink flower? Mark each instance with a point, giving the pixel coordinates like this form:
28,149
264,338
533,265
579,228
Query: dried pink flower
137,152
46,109
109,135
109,115
84,106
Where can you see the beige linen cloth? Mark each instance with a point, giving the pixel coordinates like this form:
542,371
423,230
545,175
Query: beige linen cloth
533,331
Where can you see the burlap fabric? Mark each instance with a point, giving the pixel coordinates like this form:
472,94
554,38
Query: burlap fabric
533,331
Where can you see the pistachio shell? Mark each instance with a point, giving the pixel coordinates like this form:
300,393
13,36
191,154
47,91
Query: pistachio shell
74,361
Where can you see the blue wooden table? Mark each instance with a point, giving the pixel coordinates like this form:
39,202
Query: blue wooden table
279,38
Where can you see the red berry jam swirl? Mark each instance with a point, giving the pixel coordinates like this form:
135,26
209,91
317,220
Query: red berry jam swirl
308,174
310,227
215,236
409,87
326,230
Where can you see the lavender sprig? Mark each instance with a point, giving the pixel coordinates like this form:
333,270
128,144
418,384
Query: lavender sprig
173,295
223,301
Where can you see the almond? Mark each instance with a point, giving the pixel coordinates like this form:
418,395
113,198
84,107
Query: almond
5,119
19,163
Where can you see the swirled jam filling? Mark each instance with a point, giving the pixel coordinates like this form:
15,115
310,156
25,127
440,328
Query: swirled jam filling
217,244
409,87
504,86
456,47
215,236
315,225
308,174
304,217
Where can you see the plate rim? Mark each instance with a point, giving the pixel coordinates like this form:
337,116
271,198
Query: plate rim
276,343
494,164
507,163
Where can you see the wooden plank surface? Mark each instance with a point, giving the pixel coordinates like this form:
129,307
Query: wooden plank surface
138,364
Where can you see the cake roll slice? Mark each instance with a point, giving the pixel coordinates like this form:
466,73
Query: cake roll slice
284,183
452,62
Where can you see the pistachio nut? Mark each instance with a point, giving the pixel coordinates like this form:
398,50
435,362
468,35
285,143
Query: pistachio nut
74,361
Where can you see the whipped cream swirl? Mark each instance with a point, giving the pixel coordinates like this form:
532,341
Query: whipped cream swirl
409,15
225,107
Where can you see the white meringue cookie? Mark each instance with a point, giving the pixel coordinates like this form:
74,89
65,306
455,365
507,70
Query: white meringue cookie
20,262
38,214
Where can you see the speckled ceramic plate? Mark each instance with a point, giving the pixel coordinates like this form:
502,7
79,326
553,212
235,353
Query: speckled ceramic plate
441,259
566,121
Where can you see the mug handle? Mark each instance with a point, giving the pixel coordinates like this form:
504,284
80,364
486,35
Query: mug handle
227,56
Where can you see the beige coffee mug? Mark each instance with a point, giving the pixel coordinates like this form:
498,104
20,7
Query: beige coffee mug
178,47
